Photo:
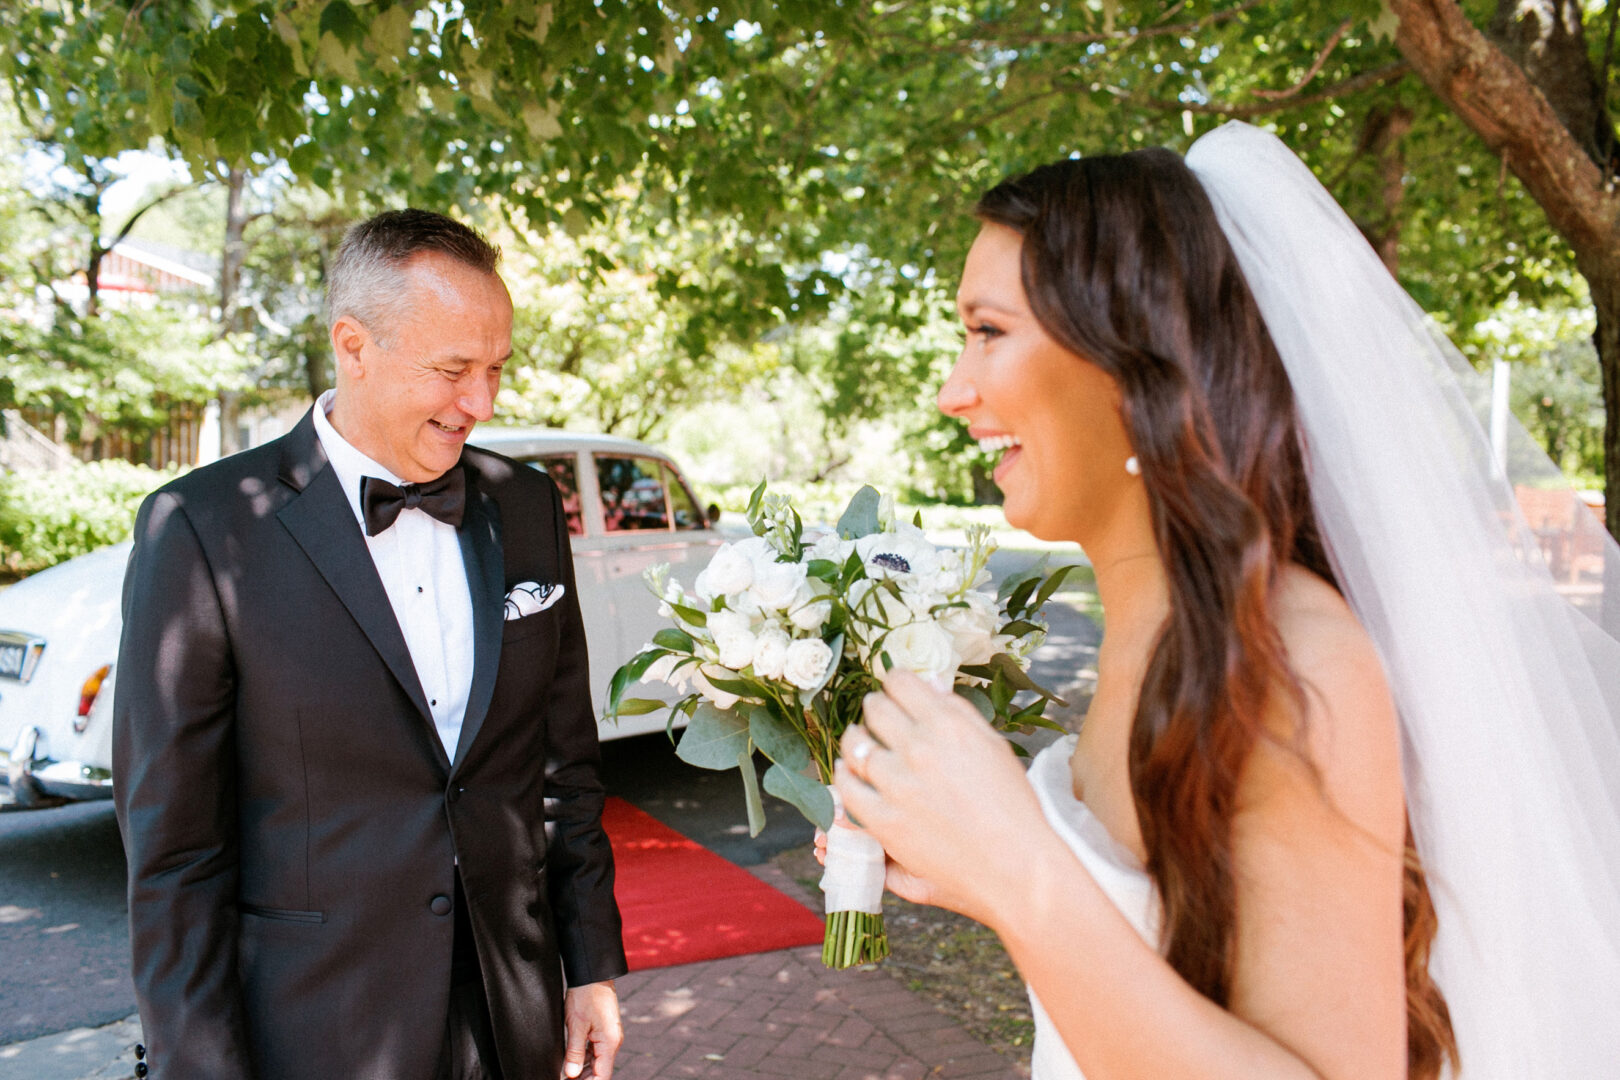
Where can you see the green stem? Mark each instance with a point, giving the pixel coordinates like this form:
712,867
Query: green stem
854,938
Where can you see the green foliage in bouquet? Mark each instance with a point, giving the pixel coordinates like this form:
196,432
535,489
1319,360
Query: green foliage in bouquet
784,635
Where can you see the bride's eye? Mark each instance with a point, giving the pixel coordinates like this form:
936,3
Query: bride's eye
985,330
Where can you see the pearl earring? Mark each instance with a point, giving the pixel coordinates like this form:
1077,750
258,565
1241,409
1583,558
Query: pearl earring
1133,466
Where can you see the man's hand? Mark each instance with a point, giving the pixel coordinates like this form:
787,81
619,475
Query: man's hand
591,1019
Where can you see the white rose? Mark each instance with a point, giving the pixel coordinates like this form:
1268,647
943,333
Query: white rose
973,629
830,546
770,652
807,661
811,616
896,554
776,584
918,598
663,670
734,638
756,549
720,699
730,571
923,647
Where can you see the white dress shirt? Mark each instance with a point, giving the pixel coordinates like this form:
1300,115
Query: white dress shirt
419,561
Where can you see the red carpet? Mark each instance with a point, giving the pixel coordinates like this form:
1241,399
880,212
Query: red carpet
682,903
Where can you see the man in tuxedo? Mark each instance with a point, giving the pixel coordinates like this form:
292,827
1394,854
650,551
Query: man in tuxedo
359,789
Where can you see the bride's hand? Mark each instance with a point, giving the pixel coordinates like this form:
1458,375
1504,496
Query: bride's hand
944,794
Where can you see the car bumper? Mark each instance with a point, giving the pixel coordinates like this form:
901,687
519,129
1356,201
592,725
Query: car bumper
34,780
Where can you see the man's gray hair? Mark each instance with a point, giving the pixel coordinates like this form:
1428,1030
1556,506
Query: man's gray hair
366,280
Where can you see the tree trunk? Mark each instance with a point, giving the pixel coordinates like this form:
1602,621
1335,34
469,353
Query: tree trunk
92,280
1605,283
232,254
230,315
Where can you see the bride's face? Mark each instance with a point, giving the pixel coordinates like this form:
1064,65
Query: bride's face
1053,416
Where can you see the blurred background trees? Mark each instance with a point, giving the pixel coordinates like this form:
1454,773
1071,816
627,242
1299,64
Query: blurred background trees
748,216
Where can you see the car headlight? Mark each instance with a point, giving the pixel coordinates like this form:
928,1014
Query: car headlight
88,694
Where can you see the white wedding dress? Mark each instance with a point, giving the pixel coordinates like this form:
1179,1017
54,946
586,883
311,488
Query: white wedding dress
1115,869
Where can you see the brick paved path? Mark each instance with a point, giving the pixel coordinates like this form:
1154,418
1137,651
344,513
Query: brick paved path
781,1014
767,1016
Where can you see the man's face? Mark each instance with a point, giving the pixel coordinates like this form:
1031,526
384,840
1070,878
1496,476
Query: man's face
410,406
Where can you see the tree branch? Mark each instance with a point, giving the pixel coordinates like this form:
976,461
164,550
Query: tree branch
156,201
1608,48
988,37
1315,68
1356,83
1495,98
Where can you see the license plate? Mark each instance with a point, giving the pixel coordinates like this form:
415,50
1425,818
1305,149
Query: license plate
19,655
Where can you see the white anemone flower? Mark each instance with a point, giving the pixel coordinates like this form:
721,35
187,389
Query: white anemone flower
897,554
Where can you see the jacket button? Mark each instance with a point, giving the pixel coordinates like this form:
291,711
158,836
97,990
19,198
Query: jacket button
439,905
455,793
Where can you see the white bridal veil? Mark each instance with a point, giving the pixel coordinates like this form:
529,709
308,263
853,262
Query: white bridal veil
1482,582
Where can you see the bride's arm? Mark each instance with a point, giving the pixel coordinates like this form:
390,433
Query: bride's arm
1318,986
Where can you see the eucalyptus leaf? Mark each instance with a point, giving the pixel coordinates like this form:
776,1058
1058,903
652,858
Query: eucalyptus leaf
808,794
714,738
777,739
860,518
979,700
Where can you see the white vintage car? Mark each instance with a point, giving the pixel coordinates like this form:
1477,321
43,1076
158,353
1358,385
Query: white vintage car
628,508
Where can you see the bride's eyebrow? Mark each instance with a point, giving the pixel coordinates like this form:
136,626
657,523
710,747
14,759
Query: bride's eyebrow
976,305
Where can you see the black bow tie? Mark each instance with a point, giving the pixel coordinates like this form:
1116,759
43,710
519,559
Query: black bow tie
444,498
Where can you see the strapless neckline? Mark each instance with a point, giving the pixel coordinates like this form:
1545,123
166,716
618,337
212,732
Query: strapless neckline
1114,867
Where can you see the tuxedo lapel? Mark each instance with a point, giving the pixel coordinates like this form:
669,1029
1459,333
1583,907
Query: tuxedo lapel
321,519
481,555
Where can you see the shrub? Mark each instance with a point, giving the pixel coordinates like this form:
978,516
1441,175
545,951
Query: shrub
49,517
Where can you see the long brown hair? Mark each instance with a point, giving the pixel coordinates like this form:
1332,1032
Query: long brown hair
1124,263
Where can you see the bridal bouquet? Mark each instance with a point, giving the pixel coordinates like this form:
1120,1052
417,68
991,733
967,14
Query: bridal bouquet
785,632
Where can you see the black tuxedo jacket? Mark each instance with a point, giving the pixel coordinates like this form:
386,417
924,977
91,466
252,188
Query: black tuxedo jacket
292,822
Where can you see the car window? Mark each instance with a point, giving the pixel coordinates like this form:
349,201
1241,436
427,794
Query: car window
632,493
682,505
560,467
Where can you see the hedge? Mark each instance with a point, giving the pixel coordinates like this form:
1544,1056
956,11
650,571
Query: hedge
47,517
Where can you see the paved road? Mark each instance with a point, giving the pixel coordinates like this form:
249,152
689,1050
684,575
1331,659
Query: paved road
63,938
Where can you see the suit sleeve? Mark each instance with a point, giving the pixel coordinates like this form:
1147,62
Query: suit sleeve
579,861
175,793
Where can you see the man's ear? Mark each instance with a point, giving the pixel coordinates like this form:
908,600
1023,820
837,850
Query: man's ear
349,338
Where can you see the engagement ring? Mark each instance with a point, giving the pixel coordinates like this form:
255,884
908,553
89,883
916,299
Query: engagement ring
862,751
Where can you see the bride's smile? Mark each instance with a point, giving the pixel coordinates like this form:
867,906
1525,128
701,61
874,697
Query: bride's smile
1053,417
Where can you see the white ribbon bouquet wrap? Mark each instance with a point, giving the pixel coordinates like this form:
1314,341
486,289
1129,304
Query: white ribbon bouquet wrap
783,635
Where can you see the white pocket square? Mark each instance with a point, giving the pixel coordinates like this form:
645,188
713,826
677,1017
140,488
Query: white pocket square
528,598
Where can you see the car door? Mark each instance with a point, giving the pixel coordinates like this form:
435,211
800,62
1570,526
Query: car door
649,516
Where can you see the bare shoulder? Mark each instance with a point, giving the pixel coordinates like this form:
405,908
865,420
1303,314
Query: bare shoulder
1349,729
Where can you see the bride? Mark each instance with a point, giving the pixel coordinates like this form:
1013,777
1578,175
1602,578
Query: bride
1346,801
